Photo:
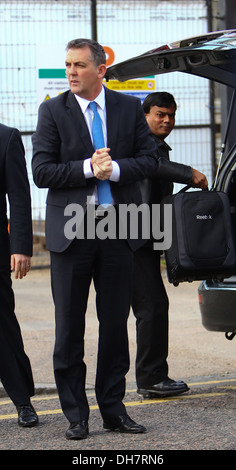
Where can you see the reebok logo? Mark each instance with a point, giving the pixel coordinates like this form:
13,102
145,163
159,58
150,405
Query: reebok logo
206,217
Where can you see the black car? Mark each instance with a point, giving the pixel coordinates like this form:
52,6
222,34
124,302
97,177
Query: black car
212,56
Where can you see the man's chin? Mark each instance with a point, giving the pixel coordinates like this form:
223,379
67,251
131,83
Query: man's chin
165,134
75,89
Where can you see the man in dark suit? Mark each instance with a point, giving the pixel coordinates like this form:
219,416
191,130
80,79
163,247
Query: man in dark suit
64,161
15,254
150,301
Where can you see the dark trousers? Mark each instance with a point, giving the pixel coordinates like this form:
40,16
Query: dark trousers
150,307
109,263
15,369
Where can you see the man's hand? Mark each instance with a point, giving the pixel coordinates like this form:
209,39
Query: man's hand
101,164
20,264
199,180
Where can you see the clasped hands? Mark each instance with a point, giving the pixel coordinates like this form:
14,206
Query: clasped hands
101,164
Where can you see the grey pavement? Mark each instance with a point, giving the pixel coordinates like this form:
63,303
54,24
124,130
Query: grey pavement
203,419
193,351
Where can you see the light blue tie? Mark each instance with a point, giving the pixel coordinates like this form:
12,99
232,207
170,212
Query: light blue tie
103,187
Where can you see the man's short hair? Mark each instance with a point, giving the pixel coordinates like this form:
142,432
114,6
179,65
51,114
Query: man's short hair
162,99
98,54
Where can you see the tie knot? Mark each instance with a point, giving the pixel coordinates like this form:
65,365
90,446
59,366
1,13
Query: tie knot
93,106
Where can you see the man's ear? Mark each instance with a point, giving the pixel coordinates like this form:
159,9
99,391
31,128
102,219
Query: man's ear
102,68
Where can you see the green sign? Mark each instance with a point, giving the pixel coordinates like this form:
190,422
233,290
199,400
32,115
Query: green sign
52,73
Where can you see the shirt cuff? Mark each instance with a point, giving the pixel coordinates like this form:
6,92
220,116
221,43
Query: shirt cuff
87,168
115,176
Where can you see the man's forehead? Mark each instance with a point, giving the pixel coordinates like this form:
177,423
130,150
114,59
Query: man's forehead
79,53
164,108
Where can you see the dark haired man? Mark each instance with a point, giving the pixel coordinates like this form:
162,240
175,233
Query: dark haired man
150,301
66,162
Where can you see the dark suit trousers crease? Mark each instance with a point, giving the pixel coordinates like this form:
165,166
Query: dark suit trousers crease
109,263
150,307
15,368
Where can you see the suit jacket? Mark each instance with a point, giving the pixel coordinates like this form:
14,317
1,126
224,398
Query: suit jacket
160,184
14,183
175,172
61,143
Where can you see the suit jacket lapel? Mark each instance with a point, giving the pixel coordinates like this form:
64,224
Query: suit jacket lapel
112,111
79,122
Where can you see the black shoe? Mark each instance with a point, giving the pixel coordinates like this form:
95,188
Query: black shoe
123,424
166,388
78,430
27,416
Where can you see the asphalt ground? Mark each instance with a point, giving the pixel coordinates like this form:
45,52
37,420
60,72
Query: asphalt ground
202,419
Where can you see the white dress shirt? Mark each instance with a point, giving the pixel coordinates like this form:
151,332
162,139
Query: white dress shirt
88,115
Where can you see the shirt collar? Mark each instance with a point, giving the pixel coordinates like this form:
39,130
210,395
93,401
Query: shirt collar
161,143
100,100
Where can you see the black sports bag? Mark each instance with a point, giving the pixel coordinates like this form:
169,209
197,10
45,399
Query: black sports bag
202,238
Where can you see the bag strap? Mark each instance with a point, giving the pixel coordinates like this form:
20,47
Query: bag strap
184,189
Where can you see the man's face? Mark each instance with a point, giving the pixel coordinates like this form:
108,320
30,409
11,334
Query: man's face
161,120
84,77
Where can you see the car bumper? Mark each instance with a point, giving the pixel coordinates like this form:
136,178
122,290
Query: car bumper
217,301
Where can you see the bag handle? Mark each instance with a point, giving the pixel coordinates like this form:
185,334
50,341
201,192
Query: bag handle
183,190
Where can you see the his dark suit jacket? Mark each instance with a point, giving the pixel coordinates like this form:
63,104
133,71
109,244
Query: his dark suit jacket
15,369
161,184
62,142
14,184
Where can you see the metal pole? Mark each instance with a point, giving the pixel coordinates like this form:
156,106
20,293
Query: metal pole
227,20
226,134
94,19
212,100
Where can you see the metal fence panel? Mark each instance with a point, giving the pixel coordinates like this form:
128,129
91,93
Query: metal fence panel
25,25
124,26
149,24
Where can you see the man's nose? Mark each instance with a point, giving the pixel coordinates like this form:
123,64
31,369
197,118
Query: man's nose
72,70
167,117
